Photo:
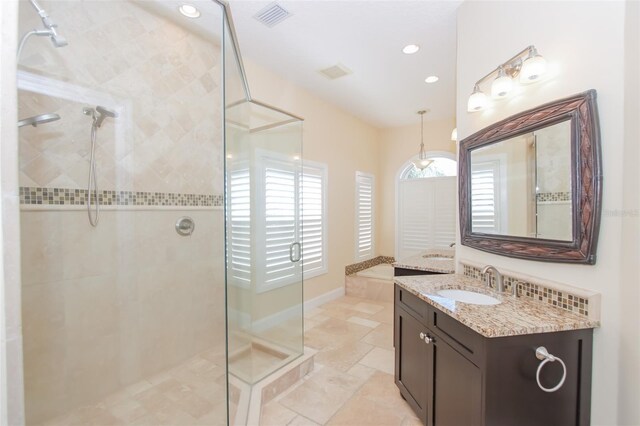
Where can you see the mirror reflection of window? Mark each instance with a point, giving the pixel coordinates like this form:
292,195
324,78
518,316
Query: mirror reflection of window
522,186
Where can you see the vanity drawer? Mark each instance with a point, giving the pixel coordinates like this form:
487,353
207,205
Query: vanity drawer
412,304
462,338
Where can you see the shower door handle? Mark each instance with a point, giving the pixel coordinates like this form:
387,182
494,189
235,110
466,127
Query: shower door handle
291,251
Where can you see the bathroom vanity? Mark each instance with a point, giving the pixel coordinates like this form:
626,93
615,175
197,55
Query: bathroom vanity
468,364
429,262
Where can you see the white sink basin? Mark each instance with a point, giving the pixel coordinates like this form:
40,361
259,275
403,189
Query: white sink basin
470,297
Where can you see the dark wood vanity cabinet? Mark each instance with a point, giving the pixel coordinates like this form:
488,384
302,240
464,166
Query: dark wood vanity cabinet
452,376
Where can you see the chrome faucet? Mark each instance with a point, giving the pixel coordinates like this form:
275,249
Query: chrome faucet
499,279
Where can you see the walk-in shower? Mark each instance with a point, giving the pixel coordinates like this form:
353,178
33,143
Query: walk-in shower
126,322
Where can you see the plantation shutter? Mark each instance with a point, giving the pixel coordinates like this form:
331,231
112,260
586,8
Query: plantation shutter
280,223
426,214
485,197
364,216
312,193
239,230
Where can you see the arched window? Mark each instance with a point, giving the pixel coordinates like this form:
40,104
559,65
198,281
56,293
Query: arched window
441,166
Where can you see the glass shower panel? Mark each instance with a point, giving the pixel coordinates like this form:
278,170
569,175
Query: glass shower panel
264,268
123,314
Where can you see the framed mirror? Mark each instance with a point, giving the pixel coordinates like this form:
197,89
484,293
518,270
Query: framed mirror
530,186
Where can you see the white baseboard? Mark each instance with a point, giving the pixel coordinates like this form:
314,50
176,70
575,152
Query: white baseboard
280,317
324,298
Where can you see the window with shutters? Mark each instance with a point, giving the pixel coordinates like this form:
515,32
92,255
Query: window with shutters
313,196
365,241
294,210
486,197
426,201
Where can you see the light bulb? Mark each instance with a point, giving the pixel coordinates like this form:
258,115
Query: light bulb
533,67
410,49
189,11
477,101
454,134
502,85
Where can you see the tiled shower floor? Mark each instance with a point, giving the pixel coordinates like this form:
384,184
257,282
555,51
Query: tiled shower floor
192,393
352,383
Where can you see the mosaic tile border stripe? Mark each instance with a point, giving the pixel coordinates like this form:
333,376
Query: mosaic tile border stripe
77,197
553,196
561,299
361,266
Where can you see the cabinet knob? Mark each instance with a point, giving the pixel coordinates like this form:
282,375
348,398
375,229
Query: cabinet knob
422,335
428,339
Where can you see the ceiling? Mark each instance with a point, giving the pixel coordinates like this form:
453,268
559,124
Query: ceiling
386,87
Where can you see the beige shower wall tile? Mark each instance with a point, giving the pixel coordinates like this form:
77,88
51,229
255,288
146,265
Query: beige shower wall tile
166,76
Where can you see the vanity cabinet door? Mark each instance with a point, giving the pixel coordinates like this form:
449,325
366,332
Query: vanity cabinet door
455,387
411,361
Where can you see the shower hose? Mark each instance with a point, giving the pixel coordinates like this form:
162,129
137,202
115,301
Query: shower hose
94,214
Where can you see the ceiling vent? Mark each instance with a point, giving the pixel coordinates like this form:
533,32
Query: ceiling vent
272,15
335,71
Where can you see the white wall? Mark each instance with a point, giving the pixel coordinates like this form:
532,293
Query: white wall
629,357
584,43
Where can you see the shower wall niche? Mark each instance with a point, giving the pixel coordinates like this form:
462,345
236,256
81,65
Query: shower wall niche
119,319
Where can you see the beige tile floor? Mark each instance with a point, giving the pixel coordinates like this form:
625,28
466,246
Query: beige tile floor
352,383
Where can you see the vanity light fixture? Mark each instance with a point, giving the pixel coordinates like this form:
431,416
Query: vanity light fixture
422,162
502,85
431,79
189,11
410,49
477,100
528,65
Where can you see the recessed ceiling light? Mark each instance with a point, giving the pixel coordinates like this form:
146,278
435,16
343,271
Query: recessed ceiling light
410,49
189,11
431,79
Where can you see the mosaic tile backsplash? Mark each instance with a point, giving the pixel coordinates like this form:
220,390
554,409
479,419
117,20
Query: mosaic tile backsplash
553,196
361,266
536,292
78,197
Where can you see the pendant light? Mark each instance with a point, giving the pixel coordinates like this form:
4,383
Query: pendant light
422,162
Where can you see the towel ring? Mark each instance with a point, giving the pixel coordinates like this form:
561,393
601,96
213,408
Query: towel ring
545,356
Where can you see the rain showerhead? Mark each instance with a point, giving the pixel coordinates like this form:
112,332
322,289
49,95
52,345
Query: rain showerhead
38,119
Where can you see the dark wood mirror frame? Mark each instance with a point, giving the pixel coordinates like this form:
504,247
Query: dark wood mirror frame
586,182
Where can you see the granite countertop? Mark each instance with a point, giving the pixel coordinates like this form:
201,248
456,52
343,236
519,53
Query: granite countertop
430,260
512,317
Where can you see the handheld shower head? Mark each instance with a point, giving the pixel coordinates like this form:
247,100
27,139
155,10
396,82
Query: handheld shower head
99,114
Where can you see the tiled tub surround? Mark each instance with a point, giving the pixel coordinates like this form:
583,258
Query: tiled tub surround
512,317
427,261
361,266
576,300
109,306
